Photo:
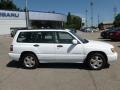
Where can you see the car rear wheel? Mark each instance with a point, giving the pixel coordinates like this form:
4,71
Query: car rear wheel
96,61
30,61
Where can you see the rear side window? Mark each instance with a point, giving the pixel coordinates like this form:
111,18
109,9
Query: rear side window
36,37
27,37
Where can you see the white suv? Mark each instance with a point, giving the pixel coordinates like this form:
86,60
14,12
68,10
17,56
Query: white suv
32,47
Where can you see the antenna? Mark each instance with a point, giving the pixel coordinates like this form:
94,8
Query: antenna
91,5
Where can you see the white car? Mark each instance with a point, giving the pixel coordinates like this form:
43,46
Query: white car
32,47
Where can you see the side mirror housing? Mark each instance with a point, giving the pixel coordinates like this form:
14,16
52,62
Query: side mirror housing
75,42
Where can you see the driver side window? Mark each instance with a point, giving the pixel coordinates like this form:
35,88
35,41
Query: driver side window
64,37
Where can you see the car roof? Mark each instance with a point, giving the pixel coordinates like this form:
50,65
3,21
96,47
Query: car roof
32,30
115,30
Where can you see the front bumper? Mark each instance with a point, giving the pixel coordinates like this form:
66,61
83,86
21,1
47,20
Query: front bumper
112,58
14,56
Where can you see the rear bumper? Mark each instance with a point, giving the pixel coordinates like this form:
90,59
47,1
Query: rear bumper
112,58
14,56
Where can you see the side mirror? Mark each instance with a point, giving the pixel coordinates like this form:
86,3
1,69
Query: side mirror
75,42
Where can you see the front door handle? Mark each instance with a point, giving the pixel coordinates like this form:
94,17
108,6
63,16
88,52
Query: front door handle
59,46
36,45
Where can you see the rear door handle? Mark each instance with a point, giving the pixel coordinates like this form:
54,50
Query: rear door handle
59,46
36,45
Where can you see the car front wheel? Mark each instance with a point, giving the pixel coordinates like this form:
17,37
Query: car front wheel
96,61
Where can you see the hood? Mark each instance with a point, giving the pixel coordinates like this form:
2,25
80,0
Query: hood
98,44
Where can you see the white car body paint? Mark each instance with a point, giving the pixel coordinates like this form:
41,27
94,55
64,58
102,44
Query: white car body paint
69,53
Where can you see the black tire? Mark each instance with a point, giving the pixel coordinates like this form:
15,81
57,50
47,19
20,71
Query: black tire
29,61
96,61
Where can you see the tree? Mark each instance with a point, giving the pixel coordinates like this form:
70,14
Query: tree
100,26
69,18
76,21
73,22
8,5
117,21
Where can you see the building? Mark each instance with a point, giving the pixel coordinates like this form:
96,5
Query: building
17,19
107,25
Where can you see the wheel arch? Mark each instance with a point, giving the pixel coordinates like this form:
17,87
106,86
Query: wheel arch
93,52
27,52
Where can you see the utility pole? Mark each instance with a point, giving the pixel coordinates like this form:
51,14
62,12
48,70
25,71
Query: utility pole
27,14
91,5
115,11
86,20
98,19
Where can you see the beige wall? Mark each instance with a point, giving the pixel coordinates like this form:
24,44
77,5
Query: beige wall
5,25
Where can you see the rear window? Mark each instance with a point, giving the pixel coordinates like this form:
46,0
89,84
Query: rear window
36,37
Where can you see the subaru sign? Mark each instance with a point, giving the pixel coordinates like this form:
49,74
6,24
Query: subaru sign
7,14
11,15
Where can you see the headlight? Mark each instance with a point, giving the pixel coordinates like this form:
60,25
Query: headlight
113,50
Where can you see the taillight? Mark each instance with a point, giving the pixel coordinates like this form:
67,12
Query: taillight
11,47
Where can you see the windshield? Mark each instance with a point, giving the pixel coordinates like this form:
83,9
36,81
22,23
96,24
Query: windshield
81,39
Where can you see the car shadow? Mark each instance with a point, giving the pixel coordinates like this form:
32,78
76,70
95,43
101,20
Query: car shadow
64,66
103,39
14,64
119,46
107,40
100,38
